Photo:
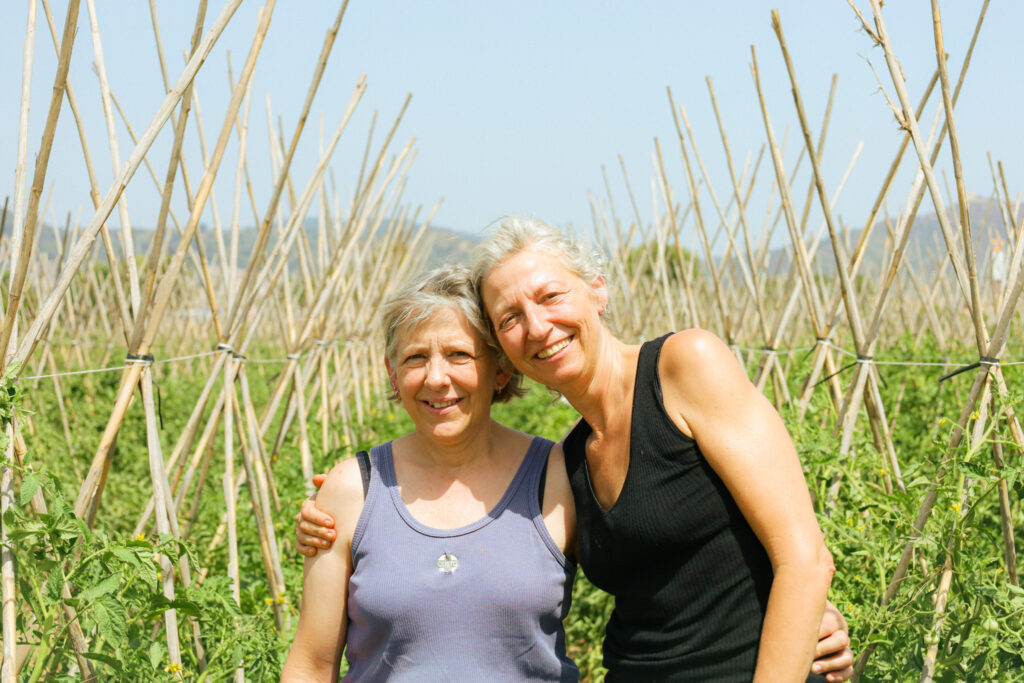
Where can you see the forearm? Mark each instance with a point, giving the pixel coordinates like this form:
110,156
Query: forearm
302,665
790,629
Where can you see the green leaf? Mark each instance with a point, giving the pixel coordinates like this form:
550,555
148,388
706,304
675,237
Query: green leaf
29,486
112,662
156,654
125,555
110,618
107,585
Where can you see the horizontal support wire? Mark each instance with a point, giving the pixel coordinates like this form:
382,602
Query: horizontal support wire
962,366
221,348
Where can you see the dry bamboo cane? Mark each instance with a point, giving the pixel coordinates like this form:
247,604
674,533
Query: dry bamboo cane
279,185
809,286
862,243
723,311
783,319
42,162
263,486
83,245
946,579
156,246
862,343
187,435
961,190
91,491
230,369
748,277
156,469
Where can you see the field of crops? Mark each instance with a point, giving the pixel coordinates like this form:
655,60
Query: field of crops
166,395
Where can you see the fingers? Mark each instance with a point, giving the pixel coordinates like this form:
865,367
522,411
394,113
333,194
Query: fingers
314,516
831,644
836,667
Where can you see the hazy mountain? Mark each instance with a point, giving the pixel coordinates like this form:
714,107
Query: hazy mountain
925,246
446,245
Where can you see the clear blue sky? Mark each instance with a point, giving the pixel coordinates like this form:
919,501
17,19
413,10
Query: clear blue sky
516,106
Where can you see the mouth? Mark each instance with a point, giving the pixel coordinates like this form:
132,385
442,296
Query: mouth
544,354
441,405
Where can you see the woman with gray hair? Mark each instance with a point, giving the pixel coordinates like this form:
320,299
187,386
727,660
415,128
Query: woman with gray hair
450,555
690,499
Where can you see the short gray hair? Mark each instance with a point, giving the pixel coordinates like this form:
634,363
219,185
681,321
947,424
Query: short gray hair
445,287
513,234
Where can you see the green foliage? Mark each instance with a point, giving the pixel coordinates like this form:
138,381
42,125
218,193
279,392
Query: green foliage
111,586
112,576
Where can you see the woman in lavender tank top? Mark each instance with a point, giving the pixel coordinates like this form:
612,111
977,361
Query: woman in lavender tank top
453,568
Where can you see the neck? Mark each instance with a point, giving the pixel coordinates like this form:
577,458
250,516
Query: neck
599,397
457,453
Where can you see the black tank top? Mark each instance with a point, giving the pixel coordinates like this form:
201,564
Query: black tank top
690,578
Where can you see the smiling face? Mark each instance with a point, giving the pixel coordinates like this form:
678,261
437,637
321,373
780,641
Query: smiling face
446,377
546,318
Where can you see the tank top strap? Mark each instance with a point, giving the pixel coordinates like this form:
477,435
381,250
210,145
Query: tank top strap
536,459
648,384
381,468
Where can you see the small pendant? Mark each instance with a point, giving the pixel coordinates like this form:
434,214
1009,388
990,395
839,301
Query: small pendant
447,563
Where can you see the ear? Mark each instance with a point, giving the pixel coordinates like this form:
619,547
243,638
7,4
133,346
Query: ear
392,375
501,378
600,288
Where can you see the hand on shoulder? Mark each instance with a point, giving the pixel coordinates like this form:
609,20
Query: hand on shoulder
341,497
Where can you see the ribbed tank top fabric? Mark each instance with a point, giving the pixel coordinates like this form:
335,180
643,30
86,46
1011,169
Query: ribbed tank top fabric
496,616
690,578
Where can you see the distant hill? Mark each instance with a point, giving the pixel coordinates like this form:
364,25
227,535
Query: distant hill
925,246
446,245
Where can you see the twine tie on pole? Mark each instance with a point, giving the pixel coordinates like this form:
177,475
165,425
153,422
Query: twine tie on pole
146,360
984,360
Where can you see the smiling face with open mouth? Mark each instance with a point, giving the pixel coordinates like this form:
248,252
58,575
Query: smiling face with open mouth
446,376
545,316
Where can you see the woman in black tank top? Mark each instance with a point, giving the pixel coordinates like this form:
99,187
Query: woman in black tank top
691,505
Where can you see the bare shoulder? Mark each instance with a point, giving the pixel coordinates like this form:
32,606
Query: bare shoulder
341,496
701,379
697,360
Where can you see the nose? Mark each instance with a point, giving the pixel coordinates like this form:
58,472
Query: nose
537,325
437,373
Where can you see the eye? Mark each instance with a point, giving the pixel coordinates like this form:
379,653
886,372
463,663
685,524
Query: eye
415,359
507,322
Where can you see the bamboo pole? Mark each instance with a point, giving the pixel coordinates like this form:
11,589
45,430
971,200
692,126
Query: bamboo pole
42,162
83,245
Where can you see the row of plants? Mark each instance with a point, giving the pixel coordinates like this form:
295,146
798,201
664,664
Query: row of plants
108,579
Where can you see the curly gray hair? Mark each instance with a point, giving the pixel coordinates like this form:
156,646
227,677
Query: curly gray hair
445,287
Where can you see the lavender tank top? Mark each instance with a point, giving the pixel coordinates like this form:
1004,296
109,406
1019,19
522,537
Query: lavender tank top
484,602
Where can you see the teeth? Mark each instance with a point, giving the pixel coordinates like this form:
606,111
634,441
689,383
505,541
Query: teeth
553,349
442,404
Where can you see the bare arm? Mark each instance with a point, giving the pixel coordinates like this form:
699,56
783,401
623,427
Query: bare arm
320,639
744,440
558,507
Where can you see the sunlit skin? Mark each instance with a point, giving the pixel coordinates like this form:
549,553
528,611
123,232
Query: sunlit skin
445,377
544,316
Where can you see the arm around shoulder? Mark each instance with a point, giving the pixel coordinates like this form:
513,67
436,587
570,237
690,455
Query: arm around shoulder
320,639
